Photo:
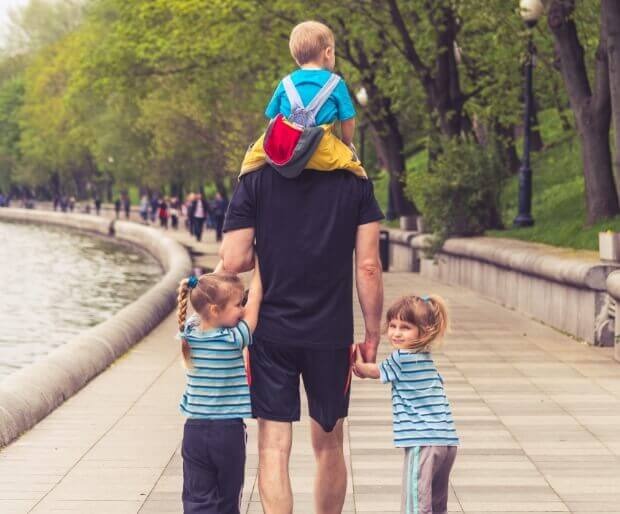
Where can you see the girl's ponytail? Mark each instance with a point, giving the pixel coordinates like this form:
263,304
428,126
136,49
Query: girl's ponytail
183,300
440,315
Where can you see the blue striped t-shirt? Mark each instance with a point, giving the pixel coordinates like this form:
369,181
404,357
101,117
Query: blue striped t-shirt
422,415
217,386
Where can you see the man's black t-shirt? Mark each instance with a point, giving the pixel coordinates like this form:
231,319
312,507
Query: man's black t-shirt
305,237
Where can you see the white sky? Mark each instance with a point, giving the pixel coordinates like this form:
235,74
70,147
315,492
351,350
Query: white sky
5,6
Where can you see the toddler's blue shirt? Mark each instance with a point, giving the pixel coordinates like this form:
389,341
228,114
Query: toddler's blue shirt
338,106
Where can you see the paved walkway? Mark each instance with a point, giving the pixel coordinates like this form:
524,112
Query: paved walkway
538,414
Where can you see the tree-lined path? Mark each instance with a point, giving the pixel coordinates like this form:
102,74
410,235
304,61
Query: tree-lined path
538,414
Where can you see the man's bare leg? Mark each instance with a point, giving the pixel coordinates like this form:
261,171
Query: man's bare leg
330,485
274,451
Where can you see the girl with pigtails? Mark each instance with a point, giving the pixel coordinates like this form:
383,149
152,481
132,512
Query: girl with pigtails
422,417
216,397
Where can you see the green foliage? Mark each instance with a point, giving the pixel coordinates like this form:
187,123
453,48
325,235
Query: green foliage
558,205
168,93
11,99
459,192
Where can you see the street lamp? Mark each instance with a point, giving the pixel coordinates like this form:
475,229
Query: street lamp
362,98
531,11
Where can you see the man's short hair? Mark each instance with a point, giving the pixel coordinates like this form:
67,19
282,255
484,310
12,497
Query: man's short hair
308,40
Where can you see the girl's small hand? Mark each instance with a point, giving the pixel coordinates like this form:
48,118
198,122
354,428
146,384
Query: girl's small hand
364,369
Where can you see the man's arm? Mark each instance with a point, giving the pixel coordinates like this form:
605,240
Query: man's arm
369,281
237,250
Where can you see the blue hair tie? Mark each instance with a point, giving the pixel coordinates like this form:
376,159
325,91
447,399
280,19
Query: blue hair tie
425,298
192,281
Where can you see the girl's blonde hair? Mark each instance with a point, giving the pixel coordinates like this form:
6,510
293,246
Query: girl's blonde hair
428,313
210,289
308,40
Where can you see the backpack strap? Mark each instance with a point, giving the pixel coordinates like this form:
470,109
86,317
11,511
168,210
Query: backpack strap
292,93
321,97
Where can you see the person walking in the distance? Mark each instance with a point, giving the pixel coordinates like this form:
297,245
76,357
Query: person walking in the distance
144,209
218,209
126,204
199,209
305,230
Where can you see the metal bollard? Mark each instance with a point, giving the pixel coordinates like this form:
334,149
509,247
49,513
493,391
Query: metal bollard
384,249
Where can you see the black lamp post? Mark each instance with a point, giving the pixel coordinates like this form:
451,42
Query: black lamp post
531,11
362,99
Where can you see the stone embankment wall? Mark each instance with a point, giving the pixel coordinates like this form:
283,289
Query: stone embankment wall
31,393
567,289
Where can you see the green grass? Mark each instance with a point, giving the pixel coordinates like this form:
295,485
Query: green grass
134,193
558,202
380,183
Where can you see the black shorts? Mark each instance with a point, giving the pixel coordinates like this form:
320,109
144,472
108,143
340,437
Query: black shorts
274,388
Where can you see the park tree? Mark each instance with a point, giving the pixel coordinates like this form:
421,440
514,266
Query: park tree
53,143
611,12
590,99
187,83
11,99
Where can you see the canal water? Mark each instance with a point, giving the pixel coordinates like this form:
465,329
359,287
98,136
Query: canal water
56,282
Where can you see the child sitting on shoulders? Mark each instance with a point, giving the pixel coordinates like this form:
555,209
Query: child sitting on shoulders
423,423
313,96
216,397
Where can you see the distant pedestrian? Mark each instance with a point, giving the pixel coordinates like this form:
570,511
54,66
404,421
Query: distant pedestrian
212,342
174,212
97,205
154,208
423,423
219,206
126,205
163,213
71,203
200,208
117,208
189,213
144,209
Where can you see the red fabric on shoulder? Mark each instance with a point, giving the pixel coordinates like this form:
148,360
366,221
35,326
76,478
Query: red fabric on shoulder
281,140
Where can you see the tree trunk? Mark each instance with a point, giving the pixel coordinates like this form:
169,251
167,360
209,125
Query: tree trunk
441,83
392,154
611,10
600,193
592,110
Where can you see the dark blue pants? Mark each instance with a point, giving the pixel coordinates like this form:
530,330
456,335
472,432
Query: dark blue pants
213,466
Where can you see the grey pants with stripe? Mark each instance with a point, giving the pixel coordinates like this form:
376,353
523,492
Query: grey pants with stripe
426,475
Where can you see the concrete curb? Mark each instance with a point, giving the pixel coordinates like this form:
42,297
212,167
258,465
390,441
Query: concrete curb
562,265
30,394
555,264
567,289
